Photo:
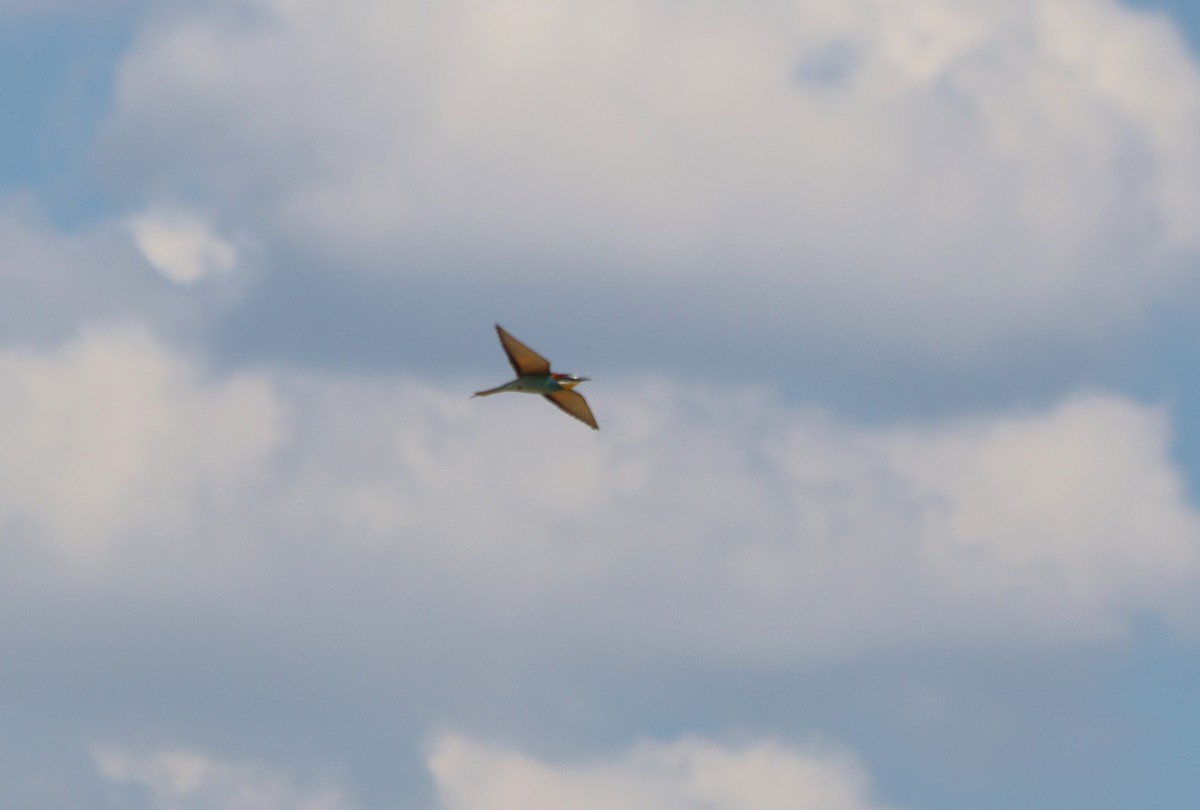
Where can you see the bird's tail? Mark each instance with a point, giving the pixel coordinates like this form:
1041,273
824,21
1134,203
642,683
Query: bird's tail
489,392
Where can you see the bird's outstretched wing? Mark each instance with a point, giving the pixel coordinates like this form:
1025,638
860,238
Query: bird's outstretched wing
524,359
575,405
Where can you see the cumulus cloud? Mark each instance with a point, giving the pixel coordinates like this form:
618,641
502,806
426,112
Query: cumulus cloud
944,176
405,558
112,436
324,566
189,780
683,526
697,528
652,776
181,246
1020,499
470,775
54,281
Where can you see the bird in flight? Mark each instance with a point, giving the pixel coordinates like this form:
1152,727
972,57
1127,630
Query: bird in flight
535,377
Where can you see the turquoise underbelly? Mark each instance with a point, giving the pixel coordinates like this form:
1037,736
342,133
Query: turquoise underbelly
535,385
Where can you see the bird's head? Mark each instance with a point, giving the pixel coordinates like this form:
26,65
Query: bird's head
569,381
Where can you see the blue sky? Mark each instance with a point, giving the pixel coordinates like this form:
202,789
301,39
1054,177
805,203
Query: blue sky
891,314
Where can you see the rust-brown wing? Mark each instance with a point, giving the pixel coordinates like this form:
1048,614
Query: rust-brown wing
575,405
524,359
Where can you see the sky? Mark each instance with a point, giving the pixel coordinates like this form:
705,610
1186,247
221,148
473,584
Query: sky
891,314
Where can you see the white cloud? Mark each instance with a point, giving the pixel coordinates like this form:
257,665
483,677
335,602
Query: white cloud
949,176
652,776
113,436
342,562
181,246
470,775
1056,500
189,780
695,527
691,523
52,281
404,556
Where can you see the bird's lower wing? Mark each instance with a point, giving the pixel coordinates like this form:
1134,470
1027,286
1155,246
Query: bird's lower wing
575,405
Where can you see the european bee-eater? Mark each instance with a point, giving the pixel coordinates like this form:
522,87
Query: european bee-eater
535,377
